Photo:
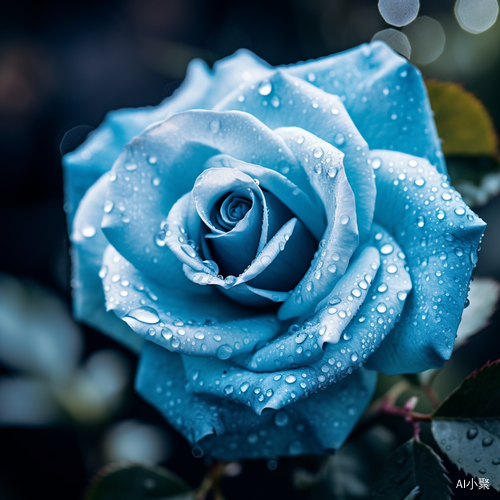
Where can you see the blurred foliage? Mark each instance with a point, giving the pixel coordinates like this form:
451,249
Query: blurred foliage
463,123
137,482
413,471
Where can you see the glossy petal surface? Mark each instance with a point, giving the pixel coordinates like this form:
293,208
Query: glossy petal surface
89,244
319,424
384,95
439,235
205,324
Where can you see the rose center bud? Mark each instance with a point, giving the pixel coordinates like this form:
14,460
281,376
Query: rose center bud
228,211
249,232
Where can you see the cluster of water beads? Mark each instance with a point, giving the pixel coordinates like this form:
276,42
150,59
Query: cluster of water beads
440,218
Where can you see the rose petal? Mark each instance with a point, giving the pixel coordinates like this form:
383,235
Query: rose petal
89,244
384,95
197,324
202,88
230,431
439,235
292,102
361,337
341,236
146,186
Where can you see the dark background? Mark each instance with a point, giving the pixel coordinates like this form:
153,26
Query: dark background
65,64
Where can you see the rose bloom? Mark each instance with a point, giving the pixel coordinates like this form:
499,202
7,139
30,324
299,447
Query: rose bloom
269,239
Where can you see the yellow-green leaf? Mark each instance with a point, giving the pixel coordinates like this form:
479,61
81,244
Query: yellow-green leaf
462,121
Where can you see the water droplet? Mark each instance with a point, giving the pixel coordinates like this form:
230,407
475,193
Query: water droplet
103,272
166,333
189,250
419,182
88,231
344,219
144,314
281,418
446,196
354,357
472,433
175,343
197,452
228,389
130,167
339,139
199,336
381,308
318,153
332,268
441,215
496,461
275,101
487,441
402,295
212,266
108,206
290,379
214,126
392,269
413,163
300,338
244,387
382,288
334,111
152,331
224,352
332,172
376,163
420,221
459,211
152,160
386,249
265,87
300,139
252,438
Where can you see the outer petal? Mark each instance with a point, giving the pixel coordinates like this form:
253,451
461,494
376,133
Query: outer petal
186,322
384,95
201,89
231,431
88,248
375,318
440,236
291,102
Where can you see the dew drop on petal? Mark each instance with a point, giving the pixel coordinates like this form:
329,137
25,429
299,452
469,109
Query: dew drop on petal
144,314
88,231
265,87
281,418
224,352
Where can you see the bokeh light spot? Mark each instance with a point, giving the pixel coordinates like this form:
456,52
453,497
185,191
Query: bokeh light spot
398,12
396,40
476,16
427,39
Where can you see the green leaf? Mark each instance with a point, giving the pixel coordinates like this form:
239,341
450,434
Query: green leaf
412,471
470,142
462,121
137,482
466,425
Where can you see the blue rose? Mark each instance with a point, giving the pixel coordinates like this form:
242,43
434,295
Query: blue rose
277,236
